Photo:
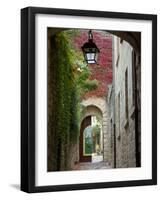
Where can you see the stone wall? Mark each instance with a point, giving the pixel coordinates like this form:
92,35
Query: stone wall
121,101
74,155
111,122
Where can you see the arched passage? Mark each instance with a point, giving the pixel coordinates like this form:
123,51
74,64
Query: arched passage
85,123
97,107
134,40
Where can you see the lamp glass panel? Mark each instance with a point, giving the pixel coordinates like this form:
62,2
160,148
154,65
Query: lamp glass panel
90,56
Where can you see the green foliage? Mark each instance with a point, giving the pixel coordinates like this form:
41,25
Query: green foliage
73,83
63,89
84,84
96,130
88,146
90,85
74,110
69,85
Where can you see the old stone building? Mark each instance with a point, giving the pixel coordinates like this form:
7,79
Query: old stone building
121,107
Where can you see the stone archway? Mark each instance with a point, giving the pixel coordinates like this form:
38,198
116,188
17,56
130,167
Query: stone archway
98,107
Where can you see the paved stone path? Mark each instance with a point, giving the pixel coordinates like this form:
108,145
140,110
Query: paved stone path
91,166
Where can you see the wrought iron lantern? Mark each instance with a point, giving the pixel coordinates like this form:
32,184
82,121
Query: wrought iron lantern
90,50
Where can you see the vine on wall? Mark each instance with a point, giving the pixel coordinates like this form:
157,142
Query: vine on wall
68,80
102,71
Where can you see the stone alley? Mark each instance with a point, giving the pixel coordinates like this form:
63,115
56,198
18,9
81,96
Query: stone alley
94,110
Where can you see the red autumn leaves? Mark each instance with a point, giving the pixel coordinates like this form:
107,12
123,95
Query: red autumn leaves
102,71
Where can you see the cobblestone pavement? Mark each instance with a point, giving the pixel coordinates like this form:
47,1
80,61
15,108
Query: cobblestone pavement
90,166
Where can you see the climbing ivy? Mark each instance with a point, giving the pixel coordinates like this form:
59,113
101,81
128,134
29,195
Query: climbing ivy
71,81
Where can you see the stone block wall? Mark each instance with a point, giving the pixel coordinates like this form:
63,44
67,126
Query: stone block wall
125,132
121,104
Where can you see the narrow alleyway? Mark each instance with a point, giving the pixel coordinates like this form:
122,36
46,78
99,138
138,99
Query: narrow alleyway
94,99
